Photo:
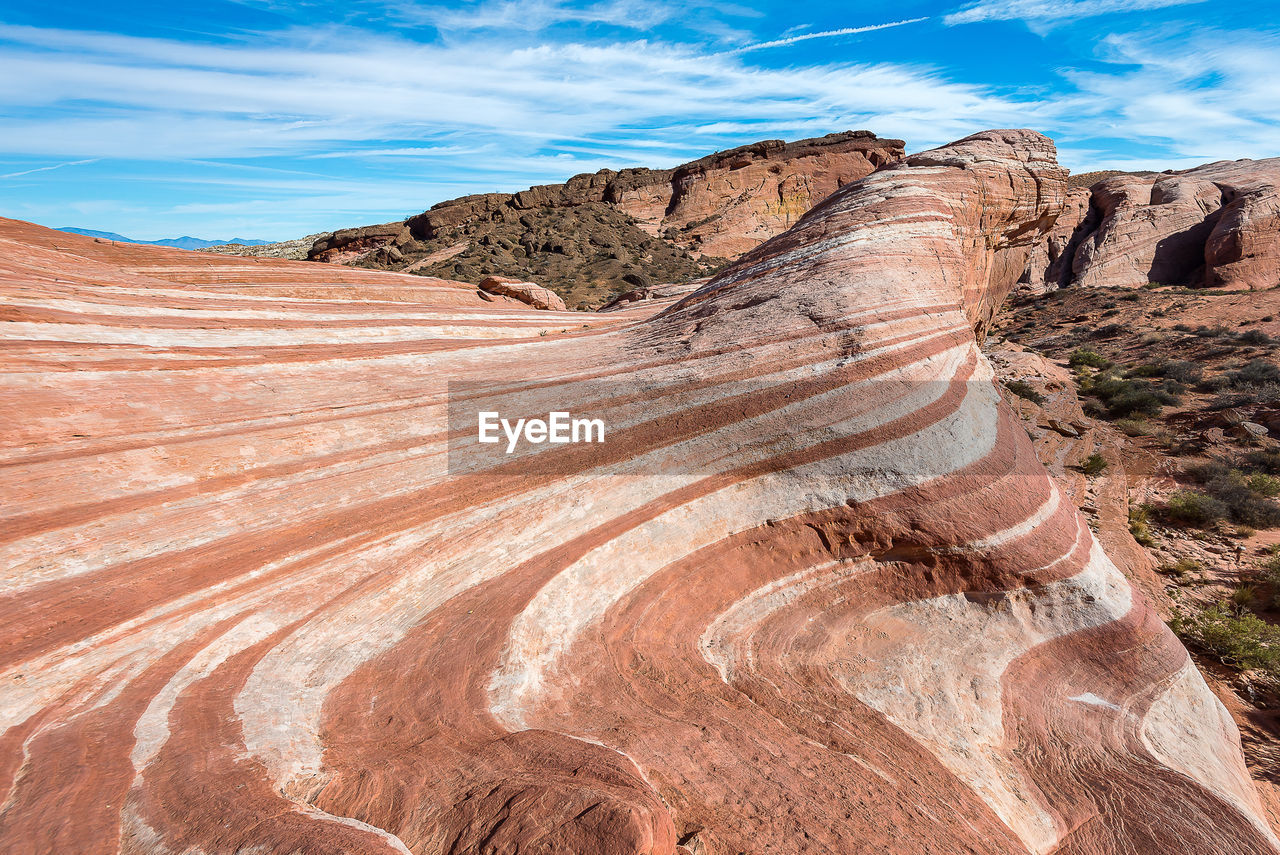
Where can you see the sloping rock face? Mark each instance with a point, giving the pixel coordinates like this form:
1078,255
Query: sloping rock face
1049,266
813,593
1217,225
599,227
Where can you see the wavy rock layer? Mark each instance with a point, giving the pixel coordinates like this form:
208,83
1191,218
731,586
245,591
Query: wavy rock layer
813,594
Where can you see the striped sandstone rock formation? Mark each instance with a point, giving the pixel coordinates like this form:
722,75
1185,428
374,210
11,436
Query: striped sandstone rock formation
1217,225
814,593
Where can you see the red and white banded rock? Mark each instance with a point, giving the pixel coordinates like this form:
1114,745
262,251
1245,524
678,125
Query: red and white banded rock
814,593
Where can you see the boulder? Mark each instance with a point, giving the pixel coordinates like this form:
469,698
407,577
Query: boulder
526,292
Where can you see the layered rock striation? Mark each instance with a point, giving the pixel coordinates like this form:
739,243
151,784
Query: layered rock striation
813,593
1217,225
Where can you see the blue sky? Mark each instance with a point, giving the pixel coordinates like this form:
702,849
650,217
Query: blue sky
266,119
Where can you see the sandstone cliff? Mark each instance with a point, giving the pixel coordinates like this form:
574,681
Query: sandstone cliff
604,232
1217,225
815,594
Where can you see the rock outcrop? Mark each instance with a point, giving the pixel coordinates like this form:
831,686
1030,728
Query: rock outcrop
813,593
296,249
1217,225
1049,266
599,228
529,293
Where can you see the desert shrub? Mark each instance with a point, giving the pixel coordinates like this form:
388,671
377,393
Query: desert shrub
1183,371
1262,461
1184,568
1133,401
1085,357
1211,332
1241,502
1271,577
1216,383
1235,637
1134,427
1189,507
1131,297
1243,595
1093,408
1108,331
1094,464
1182,327
1126,397
1256,372
1263,393
1264,484
1023,389
1254,337
1140,525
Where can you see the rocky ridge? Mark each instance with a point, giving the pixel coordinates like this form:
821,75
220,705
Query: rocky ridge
605,232
295,249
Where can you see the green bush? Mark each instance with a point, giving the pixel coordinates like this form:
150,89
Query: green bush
1094,464
1183,568
1264,484
1188,507
1265,461
1238,638
1134,401
1239,494
1256,372
1129,398
1087,358
1140,525
1134,427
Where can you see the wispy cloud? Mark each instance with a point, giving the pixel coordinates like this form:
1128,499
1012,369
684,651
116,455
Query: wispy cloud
1052,11
1209,96
49,168
826,34
535,15
316,93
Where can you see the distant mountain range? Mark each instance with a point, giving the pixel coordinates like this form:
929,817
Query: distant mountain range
178,243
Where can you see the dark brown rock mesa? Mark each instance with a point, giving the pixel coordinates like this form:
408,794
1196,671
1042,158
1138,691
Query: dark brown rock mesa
602,233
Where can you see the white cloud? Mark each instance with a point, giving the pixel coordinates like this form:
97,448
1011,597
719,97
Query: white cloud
825,34
48,168
1052,11
1208,97
535,15
311,94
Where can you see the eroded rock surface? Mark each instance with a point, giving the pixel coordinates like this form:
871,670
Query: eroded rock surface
1217,225
813,594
